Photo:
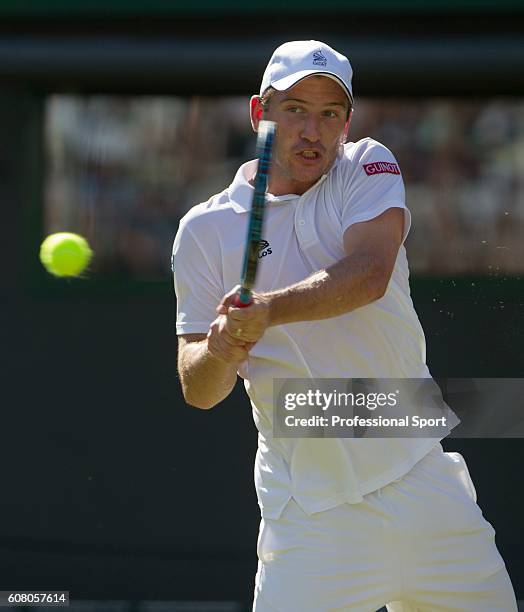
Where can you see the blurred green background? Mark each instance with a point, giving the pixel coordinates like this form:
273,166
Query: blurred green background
116,117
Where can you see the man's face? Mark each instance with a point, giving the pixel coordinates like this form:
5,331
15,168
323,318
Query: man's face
311,117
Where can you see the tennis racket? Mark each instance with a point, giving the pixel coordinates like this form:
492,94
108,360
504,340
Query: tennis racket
265,139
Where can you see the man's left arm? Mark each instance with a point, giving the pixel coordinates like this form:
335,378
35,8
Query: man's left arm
360,278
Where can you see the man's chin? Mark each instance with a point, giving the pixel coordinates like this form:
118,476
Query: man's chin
299,178
309,171
309,176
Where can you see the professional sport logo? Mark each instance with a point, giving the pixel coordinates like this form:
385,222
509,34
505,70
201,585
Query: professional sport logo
319,59
381,168
263,249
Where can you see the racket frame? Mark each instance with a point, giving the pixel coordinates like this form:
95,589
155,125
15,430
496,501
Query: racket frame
264,149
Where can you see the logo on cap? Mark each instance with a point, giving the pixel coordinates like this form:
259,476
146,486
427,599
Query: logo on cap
319,59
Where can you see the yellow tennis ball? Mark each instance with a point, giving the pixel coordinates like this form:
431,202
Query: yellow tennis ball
65,254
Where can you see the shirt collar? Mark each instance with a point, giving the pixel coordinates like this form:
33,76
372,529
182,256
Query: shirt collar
241,192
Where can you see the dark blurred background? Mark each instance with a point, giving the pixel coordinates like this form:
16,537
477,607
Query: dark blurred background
116,118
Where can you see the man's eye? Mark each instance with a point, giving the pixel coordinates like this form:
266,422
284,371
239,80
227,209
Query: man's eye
331,113
294,109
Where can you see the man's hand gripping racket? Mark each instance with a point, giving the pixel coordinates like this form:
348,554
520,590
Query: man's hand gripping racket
265,139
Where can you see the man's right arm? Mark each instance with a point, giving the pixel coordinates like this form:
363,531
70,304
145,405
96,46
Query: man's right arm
207,364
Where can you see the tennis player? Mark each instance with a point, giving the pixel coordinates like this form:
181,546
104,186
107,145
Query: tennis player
347,524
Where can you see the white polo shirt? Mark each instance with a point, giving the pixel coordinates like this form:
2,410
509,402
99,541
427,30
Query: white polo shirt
383,339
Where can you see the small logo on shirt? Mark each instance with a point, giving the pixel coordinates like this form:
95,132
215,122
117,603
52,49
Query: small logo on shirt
381,168
264,249
319,59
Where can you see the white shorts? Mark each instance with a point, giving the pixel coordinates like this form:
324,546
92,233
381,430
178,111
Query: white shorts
420,543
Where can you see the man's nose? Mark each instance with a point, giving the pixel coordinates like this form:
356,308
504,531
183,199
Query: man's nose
311,128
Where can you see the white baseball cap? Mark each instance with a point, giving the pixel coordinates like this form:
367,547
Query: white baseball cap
299,59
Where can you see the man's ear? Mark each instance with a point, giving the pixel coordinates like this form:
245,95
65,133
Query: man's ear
256,112
345,133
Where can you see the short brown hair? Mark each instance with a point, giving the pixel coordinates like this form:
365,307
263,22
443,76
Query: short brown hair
266,97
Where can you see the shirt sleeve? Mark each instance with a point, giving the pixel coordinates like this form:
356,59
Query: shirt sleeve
197,283
374,185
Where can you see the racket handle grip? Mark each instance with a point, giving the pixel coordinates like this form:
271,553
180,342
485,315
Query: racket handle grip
239,299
